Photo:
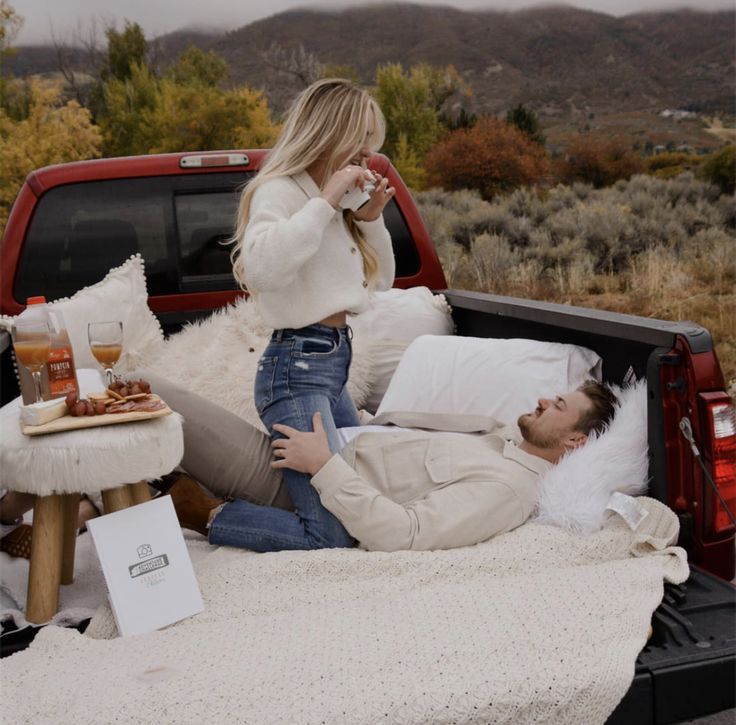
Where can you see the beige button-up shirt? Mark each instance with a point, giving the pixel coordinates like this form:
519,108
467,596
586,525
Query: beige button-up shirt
425,489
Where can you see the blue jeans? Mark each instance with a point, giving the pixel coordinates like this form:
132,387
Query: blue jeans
301,372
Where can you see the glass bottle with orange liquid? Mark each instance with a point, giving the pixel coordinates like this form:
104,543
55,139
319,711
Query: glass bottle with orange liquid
58,375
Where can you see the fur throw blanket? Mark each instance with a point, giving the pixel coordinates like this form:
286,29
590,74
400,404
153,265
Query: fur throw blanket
537,625
217,357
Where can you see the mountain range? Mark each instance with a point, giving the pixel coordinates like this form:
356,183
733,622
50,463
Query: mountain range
571,66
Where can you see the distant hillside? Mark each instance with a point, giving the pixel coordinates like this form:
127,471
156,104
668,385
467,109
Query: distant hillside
559,57
570,65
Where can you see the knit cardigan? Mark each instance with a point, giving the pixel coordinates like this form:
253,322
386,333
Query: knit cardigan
301,262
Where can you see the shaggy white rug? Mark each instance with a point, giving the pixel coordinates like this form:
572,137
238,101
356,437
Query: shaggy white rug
537,625
216,357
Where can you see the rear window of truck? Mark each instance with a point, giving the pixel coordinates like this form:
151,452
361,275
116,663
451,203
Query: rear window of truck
177,223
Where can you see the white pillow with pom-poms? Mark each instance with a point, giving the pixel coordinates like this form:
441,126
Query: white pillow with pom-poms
574,493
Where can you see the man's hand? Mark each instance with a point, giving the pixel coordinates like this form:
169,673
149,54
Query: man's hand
300,450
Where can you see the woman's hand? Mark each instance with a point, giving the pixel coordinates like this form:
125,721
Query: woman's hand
300,450
373,208
344,180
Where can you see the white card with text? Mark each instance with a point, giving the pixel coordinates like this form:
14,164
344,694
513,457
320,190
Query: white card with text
149,575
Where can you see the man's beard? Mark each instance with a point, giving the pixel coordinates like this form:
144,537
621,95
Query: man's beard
532,434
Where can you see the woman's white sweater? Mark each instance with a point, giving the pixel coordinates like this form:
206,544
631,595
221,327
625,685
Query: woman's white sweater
301,263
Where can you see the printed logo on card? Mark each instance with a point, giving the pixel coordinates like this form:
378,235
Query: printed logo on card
149,565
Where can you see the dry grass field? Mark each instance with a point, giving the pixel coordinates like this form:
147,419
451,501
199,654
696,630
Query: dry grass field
657,248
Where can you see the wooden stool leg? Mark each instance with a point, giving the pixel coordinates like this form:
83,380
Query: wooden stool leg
45,572
139,492
70,506
116,499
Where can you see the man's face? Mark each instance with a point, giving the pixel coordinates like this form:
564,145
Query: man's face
553,421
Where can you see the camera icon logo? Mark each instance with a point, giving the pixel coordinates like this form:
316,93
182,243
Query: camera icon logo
144,550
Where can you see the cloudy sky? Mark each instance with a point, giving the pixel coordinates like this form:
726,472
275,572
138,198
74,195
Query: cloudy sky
162,16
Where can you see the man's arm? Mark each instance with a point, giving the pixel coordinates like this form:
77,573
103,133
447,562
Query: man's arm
460,514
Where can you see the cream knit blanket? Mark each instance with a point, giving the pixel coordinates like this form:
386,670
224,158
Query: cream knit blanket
537,625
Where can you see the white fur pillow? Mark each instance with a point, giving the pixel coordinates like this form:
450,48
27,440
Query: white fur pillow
574,494
494,378
393,320
120,295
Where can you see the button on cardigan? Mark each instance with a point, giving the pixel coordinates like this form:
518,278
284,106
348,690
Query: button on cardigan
298,255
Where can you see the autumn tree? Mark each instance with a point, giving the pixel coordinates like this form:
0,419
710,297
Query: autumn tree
54,131
598,160
492,157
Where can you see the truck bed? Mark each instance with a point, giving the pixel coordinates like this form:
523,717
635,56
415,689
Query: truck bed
693,644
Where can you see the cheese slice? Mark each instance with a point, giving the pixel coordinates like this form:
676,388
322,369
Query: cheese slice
43,412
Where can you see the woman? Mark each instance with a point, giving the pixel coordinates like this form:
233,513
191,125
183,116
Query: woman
307,263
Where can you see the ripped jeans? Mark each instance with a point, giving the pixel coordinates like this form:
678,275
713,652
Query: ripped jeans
300,372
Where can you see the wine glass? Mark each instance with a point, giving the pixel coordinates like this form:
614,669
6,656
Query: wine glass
32,344
106,343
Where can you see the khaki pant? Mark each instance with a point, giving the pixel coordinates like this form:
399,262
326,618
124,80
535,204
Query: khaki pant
223,452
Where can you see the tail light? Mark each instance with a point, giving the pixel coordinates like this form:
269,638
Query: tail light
721,418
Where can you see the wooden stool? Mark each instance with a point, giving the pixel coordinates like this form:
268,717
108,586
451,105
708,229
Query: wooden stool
54,541
92,460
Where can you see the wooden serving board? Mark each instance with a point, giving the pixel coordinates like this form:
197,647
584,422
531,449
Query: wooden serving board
69,422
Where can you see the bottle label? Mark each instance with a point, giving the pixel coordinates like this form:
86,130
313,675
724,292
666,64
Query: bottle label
60,367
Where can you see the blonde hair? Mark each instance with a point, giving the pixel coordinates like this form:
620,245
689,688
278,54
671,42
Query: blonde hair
331,120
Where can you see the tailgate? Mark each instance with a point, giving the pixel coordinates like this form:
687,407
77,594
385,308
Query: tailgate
688,668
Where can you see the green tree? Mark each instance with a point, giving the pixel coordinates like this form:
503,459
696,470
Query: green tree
412,102
129,105
198,67
150,115
336,70
10,25
407,164
204,118
527,121
720,169
461,120
126,49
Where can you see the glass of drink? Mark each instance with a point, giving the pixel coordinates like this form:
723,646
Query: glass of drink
32,344
106,343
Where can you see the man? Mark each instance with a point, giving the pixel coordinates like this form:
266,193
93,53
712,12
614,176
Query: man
418,488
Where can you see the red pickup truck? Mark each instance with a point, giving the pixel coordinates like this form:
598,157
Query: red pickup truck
72,222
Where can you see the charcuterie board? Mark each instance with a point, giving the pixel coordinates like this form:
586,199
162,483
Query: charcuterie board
69,422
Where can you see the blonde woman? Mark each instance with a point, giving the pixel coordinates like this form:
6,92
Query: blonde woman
307,262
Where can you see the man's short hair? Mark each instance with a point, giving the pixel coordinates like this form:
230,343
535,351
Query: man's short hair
600,413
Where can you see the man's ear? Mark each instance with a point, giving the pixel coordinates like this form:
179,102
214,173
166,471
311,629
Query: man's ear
575,440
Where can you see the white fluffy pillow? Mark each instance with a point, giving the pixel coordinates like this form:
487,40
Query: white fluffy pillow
488,377
121,295
394,319
574,494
